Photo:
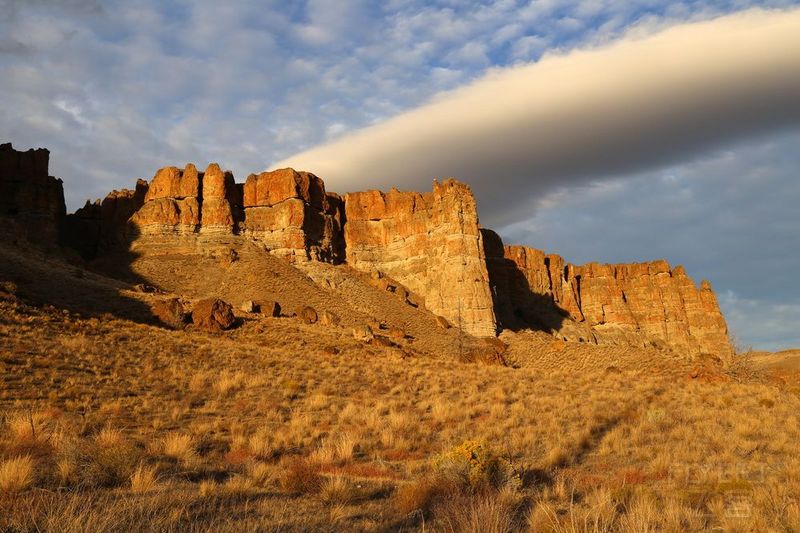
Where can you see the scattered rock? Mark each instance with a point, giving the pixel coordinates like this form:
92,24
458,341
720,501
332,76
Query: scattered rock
363,333
212,314
250,307
171,313
270,308
307,314
147,289
382,341
442,322
397,334
326,318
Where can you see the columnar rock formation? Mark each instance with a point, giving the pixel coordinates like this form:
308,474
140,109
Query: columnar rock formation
632,304
172,203
29,194
429,242
221,204
291,213
103,225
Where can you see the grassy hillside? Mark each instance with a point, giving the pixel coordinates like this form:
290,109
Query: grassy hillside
111,422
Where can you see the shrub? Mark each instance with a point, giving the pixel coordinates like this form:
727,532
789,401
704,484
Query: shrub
419,495
180,447
300,476
111,464
336,490
475,467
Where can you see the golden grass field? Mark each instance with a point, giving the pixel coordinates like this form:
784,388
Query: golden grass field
108,423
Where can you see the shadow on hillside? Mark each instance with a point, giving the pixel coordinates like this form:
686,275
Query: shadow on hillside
59,275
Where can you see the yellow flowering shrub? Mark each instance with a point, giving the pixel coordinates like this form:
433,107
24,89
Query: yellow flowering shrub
475,466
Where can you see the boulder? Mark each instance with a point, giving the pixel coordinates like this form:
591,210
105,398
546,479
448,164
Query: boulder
171,313
213,314
307,314
363,333
270,308
442,322
397,334
250,307
326,318
147,289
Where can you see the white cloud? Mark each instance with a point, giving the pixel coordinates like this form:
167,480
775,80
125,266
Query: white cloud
587,114
117,89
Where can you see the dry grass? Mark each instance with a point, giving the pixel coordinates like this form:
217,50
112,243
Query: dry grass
16,475
336,490
180,447
133,427
143,479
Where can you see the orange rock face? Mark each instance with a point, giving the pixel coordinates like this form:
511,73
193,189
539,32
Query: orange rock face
291,213
34,199
221,205
632,304
430,243
171,205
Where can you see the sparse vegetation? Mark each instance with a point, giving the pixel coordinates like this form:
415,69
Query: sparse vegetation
135,427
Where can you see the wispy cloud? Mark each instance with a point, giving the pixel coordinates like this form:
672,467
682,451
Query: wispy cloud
589,114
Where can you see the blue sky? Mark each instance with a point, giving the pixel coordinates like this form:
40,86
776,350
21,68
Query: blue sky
118,89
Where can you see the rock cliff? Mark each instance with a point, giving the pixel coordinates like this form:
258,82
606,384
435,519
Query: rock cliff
104,224
641,304
29,195
430,243
221,203
292,214
171,204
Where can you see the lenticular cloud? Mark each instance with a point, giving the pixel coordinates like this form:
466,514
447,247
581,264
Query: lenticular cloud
586,115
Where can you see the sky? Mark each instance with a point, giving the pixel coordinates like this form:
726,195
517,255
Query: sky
610,131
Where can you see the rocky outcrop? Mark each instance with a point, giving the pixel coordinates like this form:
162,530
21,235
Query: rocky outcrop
422,247
172,203
642,304
221,208
29,196
430,243
104,224
293,216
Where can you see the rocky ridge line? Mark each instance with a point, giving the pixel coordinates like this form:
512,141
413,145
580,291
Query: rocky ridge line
430,242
